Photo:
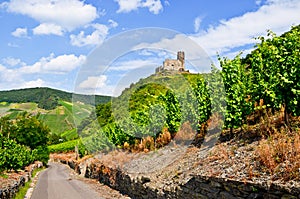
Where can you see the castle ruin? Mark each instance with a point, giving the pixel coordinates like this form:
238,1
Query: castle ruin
173,64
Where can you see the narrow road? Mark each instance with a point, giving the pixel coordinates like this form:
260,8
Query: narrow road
55,183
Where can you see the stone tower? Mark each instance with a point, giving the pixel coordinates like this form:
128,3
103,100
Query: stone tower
173,64
180,57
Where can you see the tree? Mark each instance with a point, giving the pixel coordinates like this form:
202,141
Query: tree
30,131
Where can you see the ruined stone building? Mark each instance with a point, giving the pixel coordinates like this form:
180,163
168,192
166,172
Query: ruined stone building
173,64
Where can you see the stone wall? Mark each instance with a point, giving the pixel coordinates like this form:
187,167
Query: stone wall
9,191
195,187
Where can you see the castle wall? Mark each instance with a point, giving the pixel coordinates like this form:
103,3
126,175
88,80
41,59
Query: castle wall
173,64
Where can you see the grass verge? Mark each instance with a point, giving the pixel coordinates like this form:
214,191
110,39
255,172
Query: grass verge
23,190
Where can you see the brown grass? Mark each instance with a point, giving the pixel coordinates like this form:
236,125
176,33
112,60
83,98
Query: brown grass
116,158
185,133
280,154
220,152
164,138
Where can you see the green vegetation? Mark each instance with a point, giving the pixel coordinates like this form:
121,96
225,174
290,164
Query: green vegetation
270,74
62,120
23,190
13,155
48,98
147,108
22,141
67,146
157,107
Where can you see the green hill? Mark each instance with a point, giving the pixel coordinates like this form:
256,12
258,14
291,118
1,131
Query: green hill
54,107
47,98
145,109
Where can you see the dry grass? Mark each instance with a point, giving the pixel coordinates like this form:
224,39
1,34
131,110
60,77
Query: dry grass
116,158
185,133
220,152
164,138
280,154
63,156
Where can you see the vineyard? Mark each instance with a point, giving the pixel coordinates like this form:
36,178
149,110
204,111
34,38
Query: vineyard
266,80
152,111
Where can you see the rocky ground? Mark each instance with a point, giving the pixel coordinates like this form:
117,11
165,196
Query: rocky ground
174,164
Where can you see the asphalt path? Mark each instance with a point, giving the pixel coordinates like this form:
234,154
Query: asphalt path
56,183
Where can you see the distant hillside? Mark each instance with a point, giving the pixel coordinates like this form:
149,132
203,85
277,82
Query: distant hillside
47,98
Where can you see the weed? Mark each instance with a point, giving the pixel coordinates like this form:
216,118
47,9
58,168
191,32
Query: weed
280,154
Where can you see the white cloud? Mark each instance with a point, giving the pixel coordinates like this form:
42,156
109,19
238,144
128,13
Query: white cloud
93,82
13,45
197,23
193,52
57,70
276,15
63,63
126,6
68,14
134,64
112,23
20,32
34,83
60,64
154,6
48,28
95,38
258,2
7,76
10,61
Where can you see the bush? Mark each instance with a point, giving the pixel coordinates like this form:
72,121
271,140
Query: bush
13,155
41,153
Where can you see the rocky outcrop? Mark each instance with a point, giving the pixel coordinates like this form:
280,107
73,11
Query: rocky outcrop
9,189
140,186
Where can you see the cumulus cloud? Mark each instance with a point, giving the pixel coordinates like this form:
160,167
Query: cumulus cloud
62,63
48,28
20,32
93,82
10,61
126,6
57,65
14,73
67,14
34,83
95,38
276,15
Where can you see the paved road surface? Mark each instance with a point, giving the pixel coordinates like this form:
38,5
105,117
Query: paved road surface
56,183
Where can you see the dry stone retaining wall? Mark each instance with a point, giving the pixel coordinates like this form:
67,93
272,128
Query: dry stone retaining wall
10,191
196,187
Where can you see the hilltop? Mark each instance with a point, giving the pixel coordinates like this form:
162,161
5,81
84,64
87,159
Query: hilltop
47,97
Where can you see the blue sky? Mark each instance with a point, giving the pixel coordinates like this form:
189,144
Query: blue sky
48,42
